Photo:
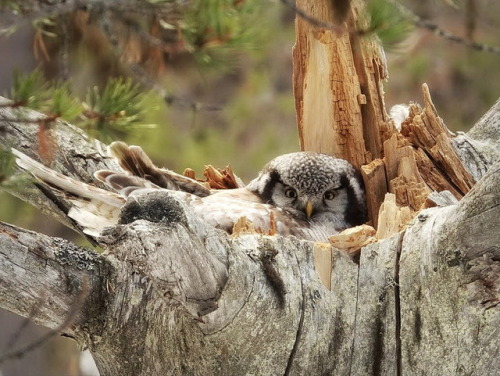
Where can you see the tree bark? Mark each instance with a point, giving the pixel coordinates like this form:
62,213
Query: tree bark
176,296
48,279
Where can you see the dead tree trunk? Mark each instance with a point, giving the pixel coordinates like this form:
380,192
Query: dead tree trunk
338,87
174,296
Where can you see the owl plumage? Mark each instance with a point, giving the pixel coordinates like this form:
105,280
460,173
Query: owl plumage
305,194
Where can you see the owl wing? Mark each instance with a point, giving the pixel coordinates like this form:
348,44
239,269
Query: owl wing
224,208
92,208
136,163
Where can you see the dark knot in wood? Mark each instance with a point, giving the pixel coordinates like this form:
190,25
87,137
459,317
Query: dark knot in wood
157,207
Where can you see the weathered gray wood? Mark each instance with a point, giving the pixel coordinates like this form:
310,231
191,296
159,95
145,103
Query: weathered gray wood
75,154
272,314
344,294
174,296
44,278
450,286
479,149
375,339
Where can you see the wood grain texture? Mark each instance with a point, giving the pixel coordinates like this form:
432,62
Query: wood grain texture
374,177
76,155
179,297
427,132
337,86
453,325
46,279
375,338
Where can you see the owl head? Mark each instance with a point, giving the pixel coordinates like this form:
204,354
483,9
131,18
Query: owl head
315,187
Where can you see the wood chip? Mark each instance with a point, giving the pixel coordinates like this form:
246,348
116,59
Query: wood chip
243,226
272,224
353,239
392,218
437,160
323,263
375,182
189,172
215,178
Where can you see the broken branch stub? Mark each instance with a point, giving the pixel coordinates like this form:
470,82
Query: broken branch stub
421,159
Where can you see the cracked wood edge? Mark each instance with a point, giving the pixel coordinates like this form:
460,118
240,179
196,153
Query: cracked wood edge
338,87
425,157
376,328
478,149
428,298
427,133
374,176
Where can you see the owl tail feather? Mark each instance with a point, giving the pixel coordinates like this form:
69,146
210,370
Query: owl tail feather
92,208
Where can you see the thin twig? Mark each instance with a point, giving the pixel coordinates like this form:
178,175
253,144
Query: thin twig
415,19
313,21
27,320
70,318
434,28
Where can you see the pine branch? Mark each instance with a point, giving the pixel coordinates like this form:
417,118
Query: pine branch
139,72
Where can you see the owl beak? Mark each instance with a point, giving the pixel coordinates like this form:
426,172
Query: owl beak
309,209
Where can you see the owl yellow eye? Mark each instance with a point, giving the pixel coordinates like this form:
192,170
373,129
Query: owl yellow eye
290,192
329,195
